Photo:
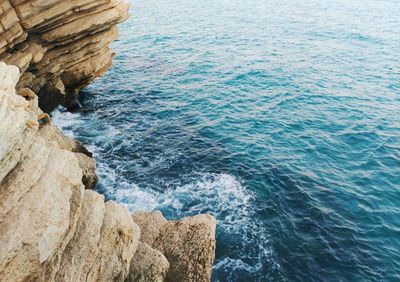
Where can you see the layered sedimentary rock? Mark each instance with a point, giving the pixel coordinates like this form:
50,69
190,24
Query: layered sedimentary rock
53,229
59,46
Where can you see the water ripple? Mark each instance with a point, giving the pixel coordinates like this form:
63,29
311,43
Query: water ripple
280,118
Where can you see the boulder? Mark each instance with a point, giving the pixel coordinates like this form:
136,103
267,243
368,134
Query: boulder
88,167
188,244
148,264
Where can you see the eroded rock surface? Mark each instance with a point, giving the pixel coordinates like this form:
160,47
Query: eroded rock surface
148,264
51,228
188,244
59,46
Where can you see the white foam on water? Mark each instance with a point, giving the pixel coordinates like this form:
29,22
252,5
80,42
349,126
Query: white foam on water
125,192
136,199
219,194
66,121
234,264
222,195
231,203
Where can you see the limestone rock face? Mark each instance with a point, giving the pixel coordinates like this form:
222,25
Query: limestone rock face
119,238
151,224
148,264
188,244
51,228
40,191
59,46
81,252
88,166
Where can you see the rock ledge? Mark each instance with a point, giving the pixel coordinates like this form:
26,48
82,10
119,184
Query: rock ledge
59,46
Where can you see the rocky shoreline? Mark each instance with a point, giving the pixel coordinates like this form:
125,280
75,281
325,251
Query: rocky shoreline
53,227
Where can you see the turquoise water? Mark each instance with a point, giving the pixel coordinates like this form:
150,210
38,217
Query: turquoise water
281,118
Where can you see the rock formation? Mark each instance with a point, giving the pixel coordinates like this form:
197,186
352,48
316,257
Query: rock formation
52,226
59,46
53,229
188,244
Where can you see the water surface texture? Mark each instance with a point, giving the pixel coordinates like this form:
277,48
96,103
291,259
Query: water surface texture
281,118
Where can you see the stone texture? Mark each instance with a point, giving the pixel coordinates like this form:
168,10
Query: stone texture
103,245
86,162
148,265
59,46
14,138
11,31
119,238
188,244
88,167
51,228
151,224
41,191
81,252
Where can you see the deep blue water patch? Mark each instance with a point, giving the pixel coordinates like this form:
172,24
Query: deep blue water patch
280,118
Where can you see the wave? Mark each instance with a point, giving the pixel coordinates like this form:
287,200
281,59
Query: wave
65,120
244,242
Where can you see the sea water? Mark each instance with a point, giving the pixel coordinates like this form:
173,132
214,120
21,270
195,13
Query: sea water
280,118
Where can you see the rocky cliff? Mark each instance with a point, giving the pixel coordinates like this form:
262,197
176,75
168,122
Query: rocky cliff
59,46
52,226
